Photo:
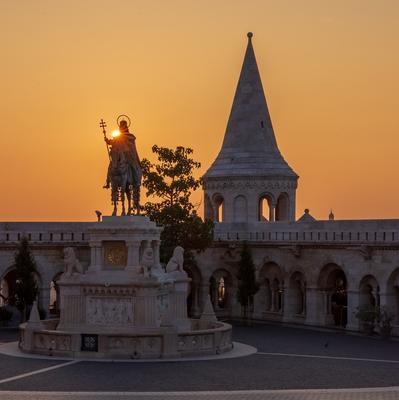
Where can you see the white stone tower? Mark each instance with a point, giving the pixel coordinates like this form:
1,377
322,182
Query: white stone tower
250,181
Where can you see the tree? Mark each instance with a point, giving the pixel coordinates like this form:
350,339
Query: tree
26,288
170,182
247,285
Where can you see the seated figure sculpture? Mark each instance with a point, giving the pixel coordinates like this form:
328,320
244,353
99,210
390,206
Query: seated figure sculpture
174,268
71,263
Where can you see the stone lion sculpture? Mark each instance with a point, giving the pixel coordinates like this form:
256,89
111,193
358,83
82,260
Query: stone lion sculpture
71,263
175,265
147,261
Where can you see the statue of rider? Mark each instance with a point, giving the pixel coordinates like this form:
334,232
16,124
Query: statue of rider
123,149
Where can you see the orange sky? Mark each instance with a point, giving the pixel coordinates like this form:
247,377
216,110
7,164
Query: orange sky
329,68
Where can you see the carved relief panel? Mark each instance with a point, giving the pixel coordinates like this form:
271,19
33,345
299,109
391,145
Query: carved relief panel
115,254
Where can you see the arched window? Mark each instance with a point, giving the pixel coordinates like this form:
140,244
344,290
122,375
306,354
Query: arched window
272,284
393,295
369,292
333,283
218,202
221,293
297,294
221,290
266,209
7,290
54,305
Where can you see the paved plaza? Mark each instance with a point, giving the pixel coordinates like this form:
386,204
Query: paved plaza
291,363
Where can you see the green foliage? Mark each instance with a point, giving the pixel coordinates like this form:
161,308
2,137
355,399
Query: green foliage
375,314
171,179
26,288
170,182
385,317
247,285
367,314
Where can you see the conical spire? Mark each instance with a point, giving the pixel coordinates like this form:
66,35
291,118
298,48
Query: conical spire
249,146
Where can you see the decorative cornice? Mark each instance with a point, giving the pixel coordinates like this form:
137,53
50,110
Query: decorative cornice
277,183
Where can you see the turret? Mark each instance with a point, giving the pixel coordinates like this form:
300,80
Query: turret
250,181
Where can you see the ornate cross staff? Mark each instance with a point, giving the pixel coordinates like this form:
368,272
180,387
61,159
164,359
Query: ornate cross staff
103,125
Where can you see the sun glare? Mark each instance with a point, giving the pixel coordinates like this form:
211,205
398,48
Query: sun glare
115,133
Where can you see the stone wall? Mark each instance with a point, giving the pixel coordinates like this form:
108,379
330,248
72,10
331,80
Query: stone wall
298,266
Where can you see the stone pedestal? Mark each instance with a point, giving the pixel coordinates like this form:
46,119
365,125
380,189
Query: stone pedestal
125,305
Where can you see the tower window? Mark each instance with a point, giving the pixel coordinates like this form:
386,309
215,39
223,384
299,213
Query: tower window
261,124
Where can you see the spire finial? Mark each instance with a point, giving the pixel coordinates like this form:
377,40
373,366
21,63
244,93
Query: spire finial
250,34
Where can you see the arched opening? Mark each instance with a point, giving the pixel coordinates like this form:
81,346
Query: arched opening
221,301
393,297
55,298
369,292
221,292
296,295
266,208
193,296
333,286
240,209
7,288
282,208
271,289
218,202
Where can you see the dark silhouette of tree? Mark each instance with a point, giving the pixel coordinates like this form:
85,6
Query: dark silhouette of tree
170,182
247,285
26,288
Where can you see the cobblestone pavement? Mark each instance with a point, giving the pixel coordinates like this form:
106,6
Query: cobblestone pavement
390,394
288,359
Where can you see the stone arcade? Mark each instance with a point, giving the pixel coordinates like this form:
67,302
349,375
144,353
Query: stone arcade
310,272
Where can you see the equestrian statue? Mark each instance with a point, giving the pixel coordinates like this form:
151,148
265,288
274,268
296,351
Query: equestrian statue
124,170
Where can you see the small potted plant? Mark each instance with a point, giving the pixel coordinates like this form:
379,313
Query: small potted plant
385,318
367,315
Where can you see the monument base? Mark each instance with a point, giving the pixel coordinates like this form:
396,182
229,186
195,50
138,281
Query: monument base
125,305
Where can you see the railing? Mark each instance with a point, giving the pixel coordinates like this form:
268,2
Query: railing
44,237
305,236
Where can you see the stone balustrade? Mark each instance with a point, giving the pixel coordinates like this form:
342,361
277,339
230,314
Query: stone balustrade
305,236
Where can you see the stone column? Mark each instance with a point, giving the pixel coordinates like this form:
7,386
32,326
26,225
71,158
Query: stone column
252,206
204,288
44,299
291,196
156,244
179,304
96,258
353,304
133,255
289,304
313,310
228,209
272,209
